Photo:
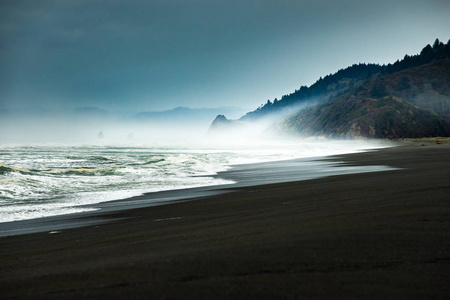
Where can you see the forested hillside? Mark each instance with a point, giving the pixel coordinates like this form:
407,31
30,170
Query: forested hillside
409,98
402,101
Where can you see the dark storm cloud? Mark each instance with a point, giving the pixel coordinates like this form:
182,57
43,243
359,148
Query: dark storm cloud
161,54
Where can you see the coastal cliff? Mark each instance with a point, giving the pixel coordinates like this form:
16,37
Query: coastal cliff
410,103
409,98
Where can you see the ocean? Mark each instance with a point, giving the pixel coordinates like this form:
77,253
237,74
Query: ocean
47,180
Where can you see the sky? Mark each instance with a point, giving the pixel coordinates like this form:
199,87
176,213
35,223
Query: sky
132,56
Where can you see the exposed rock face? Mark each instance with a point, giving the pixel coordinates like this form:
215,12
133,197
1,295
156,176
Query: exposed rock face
223,129
220,123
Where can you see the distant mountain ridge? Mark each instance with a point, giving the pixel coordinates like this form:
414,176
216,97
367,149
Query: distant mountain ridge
91,112
409,98
185,114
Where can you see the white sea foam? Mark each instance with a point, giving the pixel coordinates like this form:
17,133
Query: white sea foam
39,181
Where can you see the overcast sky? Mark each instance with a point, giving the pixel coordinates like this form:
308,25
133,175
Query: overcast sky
159,54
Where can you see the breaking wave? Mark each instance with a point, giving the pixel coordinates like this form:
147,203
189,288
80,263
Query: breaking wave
39,181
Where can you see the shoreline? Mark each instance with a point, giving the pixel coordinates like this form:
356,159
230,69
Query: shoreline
243,175
378,234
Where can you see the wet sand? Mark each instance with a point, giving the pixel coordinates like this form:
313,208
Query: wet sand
371,235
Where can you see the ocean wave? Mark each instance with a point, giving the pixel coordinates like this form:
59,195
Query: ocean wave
4,169
81,171
88,158
151,162
85,175
35,178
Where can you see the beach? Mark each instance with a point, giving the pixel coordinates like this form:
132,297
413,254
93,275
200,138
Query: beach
367,235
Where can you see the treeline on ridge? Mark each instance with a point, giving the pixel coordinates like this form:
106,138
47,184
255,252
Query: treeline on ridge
345,80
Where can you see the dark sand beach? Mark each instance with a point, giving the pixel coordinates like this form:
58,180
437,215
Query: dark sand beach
372,235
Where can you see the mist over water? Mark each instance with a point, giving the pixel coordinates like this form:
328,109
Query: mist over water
51,165
56,128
